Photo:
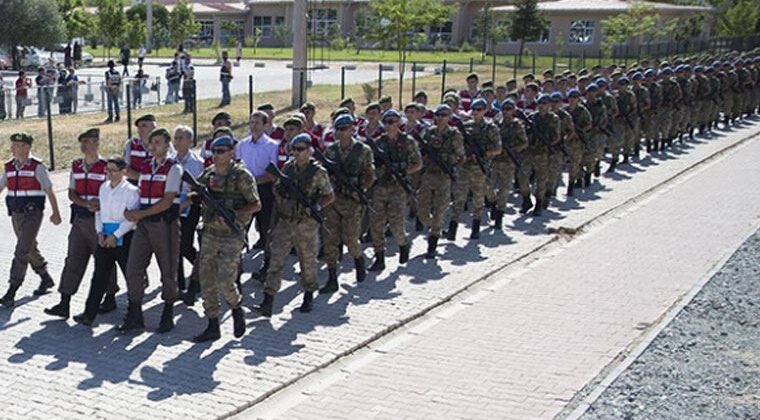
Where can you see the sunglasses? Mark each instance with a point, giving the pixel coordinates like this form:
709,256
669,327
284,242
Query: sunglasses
343,128
478,109
390,122
300,149
221,151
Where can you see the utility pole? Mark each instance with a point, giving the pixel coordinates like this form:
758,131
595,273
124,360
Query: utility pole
299,53
149,22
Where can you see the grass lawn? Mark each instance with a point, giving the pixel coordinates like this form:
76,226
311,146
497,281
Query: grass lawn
326,97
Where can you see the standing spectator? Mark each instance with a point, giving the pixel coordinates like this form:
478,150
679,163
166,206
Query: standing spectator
173,77
141,56
41,81
67,55
113,84
72,81
124,59
2,98
189,213
239,51
257,151
225,76
188,85
77,54
138,84
22,84
64,98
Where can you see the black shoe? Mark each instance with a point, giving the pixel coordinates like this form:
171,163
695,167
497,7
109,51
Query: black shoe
648,146
9,299
265,309
360,266
611,169
308,302
259,244
579,182
117,119
134,319
403,252
379,263
60,310
586,179
570,188
83,319
432,245
418,226
475,233
625,159
527,204
108,304
45,284
332,282
108,121
367,238
167,319
538,209
191,294
498,218
598,169
238,322
211,333
451,234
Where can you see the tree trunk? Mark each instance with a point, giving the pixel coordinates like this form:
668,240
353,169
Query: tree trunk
15,59
520,55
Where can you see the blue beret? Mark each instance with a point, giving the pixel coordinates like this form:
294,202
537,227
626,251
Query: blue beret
686,67
716,63
223,141
508,103
699,69
709,69
543,98
573,93
679,68
479,103
667,70
601,81
592,86
637,75
391,113
556,96
301,138
623,81
343,120
650,73
442,109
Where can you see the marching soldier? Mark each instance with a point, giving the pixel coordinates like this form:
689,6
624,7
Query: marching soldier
625,128
388,197
157,232
580,142
671,97
28,182
87,174
343,217
514,139
642,104
231,184
654,112
545,126
610,139
599,118
557,157
486,142
295,227
446,144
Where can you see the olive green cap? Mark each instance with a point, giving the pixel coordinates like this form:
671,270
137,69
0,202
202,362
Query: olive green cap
146,117
92,133
22,137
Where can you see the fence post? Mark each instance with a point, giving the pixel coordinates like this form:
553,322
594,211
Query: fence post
50,131
493,68
401,87
379,81
250,94
600,57
570,61
301,86
554,62
102,97
534,63
129,111
472,63
443,79
195,113
625,55
342,82
414,79
514,68
158,89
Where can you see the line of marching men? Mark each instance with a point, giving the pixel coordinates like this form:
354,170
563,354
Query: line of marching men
314,188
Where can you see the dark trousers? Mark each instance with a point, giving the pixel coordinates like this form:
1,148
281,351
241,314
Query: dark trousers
264,217
105,266
187,242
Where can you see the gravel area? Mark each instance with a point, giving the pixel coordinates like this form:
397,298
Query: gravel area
706,363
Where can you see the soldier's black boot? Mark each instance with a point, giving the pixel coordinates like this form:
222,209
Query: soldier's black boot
360,266
108,305
655,146
570,187
538,209
587,179
379,263
46,282
62,308
626,159
613,165
9,299
432,245
332,282
403,252
418,226
265,309
475,234
691,133
189,296
526,204
238,322
649,146
307,304
167,319
498,218
211,333
451,234
547,199
133,320
579,182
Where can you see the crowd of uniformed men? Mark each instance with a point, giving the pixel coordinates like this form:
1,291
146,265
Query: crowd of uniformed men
314,188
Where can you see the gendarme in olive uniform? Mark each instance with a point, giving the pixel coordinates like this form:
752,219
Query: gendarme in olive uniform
545,127
513,138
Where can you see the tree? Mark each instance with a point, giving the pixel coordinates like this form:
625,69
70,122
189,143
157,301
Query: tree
638,21
527,23
79,22
111,21
139,12
35,23
182,24
136,33
281,33
487,30
739,20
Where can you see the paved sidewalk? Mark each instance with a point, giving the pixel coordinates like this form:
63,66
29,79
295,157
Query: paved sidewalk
55,368
528,343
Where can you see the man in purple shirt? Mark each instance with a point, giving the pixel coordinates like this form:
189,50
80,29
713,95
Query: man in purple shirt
257,151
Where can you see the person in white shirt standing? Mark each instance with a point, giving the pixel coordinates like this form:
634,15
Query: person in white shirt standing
189,213
115,196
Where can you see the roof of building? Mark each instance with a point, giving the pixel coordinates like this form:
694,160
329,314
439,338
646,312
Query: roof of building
603,6
212,6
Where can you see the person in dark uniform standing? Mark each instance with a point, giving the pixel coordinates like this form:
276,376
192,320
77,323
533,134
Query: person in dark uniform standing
28,182
113,85
87,174
225,76
157,232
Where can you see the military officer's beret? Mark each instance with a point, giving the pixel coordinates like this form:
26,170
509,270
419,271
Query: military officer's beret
385,99
556,97
573,93
293,121
479,103
391,113
308,105
346,102
146,117
414,105
667,70
224,141
92,133
623,81
601,81
22,137
373,105
592,87
471,76
160,131
699,69
343,121
511,81
421,93
265,107
637,76
221,116
442,109
340,111
529,76
226,130
302,138
543,98
650,73
451,97
508,103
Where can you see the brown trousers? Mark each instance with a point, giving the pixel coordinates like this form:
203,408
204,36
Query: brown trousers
162,239
83,242
26,225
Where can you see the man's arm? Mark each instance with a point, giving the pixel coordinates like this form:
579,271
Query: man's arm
55,218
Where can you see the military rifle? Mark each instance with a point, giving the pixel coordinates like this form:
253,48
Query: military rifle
532,132
474,149
433,155
384,159
294,191
336,169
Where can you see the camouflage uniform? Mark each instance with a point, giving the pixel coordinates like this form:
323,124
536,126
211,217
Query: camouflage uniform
693,106
471,178
219,257
578,144
513,136
544,127
745,85
628,118
671,97
731,91
703,101
557,158
295,228
343,217
595,137
682,113
435,186
656,121
388,197
610,104
642,108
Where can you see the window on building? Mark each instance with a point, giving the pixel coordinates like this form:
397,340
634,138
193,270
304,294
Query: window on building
581,32
264,24
442,33
207,30
323,21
